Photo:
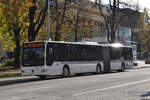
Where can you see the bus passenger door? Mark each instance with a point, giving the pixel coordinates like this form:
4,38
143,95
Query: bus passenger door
74,58
115,64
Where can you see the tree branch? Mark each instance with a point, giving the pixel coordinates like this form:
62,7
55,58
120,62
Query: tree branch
43,17
105,19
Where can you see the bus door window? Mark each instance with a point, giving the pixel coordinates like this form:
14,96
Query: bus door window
75,52
84,53
121,54
99,53
115,58
49,56
131,54
128,54
59,52
75,57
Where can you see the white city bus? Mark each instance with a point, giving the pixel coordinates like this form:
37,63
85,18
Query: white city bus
60,58
65,58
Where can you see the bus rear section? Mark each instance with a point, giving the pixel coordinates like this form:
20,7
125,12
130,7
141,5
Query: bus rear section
121,58
33,59
117,57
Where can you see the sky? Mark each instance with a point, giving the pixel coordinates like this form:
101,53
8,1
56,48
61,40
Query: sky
142,3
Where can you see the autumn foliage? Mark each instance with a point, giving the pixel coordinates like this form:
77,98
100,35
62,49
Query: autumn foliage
144,31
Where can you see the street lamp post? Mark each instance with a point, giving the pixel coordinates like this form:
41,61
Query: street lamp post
48,21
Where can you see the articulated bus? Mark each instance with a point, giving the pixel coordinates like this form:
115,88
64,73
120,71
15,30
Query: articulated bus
66,58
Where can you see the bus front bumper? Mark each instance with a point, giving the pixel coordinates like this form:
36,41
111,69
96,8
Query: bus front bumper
33,71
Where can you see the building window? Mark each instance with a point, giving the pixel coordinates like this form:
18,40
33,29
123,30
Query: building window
95,23
89,22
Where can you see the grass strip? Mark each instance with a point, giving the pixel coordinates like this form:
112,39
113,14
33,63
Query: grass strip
4,75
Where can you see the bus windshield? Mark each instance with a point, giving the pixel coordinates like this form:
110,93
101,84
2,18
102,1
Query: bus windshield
33,56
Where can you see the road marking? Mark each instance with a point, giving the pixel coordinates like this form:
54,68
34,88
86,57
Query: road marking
112,87
36,88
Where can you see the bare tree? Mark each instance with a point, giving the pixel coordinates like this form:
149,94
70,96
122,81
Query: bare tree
77,24
60,17
116,16
80,17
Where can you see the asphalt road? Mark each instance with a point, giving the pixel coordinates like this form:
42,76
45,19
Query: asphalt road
129,85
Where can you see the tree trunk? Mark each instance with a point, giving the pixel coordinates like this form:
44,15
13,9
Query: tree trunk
57,34
17,49
118,33
76,27
31,30
64,11
112,36
108,36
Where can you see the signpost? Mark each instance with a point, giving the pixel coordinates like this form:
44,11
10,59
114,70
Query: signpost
48,21
134,48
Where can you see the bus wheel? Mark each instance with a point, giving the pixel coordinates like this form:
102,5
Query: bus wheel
123,67
98,69
66,71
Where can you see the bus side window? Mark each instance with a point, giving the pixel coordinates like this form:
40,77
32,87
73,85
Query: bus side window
99,52
84,53
75,52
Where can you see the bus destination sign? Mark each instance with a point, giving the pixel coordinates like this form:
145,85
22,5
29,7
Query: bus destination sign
31,45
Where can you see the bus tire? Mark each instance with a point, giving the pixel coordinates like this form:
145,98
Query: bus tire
98,69
66,71
123,67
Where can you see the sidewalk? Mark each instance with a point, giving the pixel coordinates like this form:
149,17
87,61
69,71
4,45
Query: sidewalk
13,80
141,64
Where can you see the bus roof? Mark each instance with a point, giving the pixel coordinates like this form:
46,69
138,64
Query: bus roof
84,43
81,43
116,45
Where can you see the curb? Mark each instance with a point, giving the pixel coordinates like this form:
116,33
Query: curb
140,67
14,80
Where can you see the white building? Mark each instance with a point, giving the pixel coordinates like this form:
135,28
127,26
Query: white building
123,35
